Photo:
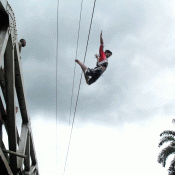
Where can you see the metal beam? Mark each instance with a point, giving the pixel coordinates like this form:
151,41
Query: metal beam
3,5
31,172
22,146
10,105
19,87
14,153
2,82
4,167
9,51
27,160
4,35
32,150
33,153
4,116
2,146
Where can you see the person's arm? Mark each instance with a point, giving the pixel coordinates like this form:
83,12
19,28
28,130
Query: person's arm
101,38
101,45
20,45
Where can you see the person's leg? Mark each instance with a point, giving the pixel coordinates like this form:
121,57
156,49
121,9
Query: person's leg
84,68
81,65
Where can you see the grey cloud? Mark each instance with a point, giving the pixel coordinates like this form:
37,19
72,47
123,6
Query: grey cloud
132,29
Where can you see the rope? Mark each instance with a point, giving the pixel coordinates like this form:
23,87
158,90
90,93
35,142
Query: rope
75,62
79,89
57,83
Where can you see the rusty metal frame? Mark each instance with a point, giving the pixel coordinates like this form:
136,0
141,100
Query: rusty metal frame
21,156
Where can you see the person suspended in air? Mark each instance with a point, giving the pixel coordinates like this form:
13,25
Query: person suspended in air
91,75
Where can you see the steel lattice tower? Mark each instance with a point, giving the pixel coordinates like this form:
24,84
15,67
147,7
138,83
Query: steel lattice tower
21,156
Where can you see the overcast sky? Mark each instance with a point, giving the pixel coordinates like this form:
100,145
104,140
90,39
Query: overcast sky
119,117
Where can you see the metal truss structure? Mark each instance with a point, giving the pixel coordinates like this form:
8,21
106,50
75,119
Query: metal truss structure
20,157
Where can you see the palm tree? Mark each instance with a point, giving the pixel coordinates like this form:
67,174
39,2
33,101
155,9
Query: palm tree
167,136
171,168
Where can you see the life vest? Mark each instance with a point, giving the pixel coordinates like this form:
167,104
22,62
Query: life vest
102,58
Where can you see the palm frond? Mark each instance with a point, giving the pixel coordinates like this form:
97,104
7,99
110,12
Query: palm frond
168,132
163,155
166,139
171,168
172,144
172,164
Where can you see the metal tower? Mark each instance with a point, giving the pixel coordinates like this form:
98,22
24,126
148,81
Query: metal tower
20,157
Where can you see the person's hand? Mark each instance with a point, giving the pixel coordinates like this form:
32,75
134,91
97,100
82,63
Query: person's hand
96,55
101,38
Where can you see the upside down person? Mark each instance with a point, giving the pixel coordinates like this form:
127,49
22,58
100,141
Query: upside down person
91,75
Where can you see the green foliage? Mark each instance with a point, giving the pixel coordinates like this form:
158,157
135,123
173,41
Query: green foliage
167,136
166,139
167,151
171,169
168,132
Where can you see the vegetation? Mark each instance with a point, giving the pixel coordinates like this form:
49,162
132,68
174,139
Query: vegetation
167,137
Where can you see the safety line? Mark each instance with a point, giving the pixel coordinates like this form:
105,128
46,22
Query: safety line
75,62
79,89
57,83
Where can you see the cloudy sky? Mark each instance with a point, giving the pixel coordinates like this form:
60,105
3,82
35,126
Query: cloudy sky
119,118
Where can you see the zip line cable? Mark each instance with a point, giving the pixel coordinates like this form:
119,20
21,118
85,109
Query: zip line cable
79,89
75,62
57,82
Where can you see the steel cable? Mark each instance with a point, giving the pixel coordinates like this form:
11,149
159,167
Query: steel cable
79,88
